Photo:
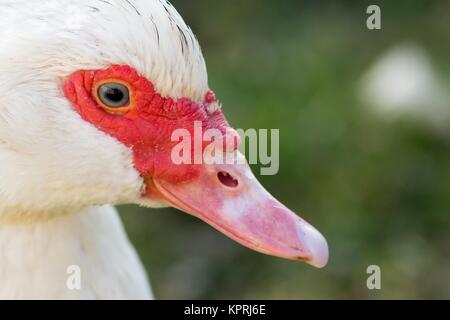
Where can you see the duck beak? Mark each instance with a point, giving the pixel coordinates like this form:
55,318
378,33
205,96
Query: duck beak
229,198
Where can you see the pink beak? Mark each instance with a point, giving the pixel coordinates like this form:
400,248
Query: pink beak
230,198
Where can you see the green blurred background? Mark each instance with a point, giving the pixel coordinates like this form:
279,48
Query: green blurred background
378,190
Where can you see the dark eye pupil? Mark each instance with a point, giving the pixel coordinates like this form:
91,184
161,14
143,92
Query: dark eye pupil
114,95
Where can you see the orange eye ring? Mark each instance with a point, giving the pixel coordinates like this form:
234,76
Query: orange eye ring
115,96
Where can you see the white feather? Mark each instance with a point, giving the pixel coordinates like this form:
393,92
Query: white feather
35,258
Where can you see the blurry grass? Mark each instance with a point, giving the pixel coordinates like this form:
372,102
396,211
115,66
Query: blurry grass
379,192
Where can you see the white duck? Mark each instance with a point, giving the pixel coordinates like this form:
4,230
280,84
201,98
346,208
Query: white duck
90,92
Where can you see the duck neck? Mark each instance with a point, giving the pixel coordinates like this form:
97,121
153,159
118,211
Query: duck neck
83,255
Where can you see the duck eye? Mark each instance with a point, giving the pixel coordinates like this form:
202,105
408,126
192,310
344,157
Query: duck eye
114,95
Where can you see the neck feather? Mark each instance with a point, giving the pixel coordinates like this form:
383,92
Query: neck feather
35,258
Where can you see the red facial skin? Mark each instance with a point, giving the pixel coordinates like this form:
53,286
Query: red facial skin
243,210
148,125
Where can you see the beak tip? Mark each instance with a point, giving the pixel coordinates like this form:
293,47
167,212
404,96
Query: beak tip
317,246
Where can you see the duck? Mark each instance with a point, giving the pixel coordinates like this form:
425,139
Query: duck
90,94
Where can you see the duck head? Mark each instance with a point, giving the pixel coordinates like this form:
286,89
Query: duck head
91,95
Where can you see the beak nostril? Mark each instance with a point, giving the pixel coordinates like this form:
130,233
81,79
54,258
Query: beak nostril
227,179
